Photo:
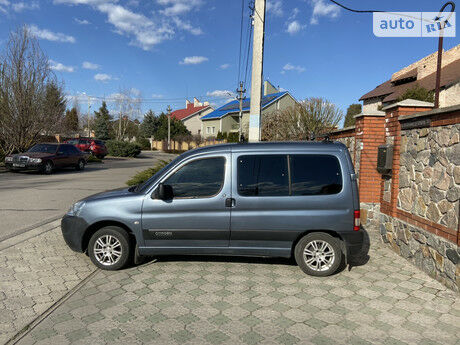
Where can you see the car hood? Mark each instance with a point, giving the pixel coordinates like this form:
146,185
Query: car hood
34,154
115,193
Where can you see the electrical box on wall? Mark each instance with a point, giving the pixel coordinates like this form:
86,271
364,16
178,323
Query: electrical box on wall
385,159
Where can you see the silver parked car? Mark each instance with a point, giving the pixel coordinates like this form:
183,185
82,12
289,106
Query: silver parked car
262,199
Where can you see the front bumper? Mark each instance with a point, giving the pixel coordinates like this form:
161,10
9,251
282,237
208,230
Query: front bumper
23,166
73,230
353,241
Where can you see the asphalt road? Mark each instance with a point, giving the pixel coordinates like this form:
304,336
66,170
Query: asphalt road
28,199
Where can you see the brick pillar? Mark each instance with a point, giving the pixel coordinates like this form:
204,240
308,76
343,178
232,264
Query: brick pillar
389,196
370,133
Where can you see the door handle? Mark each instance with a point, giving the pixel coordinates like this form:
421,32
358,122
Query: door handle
230,202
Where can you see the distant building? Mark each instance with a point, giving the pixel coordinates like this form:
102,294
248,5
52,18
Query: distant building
422,73
226,118
191,115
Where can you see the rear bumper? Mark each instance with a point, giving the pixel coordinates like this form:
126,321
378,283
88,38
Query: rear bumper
73,230
353,241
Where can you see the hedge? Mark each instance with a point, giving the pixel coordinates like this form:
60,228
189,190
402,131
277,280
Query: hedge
144,175
122,148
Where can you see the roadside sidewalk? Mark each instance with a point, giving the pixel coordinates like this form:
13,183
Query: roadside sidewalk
36,270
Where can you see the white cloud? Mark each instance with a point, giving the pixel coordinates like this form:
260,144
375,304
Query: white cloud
193,60
90,65
184,25
220,94
291,67
145,32
103,77
81,21
21,6
321,8
224,66
294,14
275,7
178,7
157,96
59,67
294,27
45,34
136,92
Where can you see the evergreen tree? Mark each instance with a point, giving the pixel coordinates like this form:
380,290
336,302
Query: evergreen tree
102,122
71,120
149,125
352,110
419,93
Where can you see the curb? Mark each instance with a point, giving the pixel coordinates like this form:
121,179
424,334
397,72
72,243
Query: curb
29,327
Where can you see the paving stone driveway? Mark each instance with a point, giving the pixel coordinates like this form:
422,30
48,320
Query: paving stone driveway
256,301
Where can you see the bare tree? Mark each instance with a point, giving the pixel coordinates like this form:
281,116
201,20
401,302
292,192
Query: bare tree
32,102
128,105
308,119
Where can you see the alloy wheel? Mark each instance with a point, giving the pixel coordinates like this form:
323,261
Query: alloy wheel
319,255
107,250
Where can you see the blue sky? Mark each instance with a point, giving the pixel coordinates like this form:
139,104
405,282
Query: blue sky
167,50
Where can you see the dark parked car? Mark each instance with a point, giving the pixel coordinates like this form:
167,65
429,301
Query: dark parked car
94,146
46,158
264,199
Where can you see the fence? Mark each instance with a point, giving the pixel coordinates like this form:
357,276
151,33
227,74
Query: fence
416,209
182,145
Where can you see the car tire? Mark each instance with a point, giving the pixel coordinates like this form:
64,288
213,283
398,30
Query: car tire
80,165
48,168
109,248
318,254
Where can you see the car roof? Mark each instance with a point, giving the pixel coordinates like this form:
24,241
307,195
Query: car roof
332,146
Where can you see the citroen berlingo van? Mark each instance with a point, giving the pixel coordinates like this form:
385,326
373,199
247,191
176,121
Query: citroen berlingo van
257,199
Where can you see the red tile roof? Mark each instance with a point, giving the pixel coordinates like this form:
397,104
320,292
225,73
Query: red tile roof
181,114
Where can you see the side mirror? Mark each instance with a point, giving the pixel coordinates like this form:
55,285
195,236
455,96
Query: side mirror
164,192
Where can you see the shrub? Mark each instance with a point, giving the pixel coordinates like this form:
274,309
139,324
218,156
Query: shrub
233,137
122,148
144,175
93,159
144,143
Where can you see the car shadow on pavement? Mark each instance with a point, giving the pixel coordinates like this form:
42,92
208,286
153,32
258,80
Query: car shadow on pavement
363,257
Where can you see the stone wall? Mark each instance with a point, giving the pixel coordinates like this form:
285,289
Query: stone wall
436,256
350,143
429,182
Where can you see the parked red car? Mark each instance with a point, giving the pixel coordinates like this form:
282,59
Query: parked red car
94,146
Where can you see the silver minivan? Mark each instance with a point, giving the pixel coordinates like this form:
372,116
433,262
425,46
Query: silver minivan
261,199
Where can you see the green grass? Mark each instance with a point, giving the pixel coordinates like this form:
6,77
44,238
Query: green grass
94,159
144,175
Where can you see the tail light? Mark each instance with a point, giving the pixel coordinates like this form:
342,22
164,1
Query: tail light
357,220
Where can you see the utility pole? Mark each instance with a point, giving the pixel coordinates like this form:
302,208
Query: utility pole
240,98
89,109
257,70
169,127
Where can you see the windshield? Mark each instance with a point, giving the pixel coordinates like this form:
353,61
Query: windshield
46,148
145,185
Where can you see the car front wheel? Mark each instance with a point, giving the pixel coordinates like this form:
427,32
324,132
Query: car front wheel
109,248
318,254
48,168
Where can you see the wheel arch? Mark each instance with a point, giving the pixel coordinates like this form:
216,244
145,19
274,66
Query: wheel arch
101,224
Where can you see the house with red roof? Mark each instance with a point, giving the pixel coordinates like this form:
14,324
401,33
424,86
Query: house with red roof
191,115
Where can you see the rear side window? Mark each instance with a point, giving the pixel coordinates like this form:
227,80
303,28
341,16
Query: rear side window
198,179
315,175
263,175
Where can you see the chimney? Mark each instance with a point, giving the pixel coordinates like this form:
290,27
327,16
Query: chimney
206,103
269,88
187,104
196,103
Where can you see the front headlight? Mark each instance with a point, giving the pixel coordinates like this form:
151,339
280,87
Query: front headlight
35,160
8,159
76,208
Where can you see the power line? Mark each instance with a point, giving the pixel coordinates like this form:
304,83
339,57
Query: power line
352,10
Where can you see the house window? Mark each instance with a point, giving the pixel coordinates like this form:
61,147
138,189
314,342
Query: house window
213,130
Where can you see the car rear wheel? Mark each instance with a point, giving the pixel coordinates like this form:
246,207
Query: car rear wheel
48,168
109,248
318,254
80,165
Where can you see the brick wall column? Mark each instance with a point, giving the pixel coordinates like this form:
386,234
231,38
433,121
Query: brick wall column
393,136
371,133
